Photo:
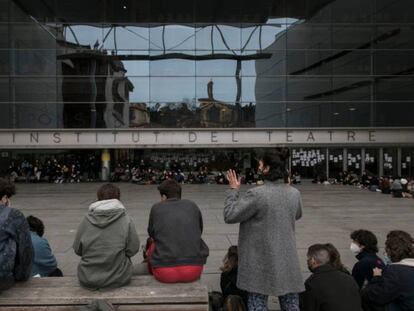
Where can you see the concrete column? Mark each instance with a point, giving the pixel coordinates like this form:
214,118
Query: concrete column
381,162
106,165
399,161
345,160
327,163
362,160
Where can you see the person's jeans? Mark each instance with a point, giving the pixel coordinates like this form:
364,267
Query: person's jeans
258,302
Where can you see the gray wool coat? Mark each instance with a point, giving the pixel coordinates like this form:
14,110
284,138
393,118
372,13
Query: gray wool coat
268,259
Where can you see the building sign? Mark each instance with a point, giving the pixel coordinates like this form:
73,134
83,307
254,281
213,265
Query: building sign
189,138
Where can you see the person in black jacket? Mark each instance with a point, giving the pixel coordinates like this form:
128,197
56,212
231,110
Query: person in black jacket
328,289
393,288
178,253
16,250
228,277
364,246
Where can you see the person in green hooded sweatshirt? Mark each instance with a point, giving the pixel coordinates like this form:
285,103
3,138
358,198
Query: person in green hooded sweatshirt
106,240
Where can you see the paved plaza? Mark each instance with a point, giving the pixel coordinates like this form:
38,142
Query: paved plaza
330,214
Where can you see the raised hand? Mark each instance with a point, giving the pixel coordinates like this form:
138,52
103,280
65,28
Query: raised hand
234,182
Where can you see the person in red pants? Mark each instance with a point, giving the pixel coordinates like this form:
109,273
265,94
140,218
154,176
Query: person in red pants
176,252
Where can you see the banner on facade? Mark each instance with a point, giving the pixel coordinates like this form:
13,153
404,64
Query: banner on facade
198,138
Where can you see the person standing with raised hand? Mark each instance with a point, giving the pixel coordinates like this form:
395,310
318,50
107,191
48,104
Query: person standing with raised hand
268,259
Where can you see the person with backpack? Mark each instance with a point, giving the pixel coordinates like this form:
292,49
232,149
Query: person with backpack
16,250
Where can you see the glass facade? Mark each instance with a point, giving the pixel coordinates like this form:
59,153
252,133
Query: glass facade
266,63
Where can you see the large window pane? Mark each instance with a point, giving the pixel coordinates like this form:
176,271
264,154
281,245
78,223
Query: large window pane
371,161
352,37
307,88
395,37
354,161
136,67
172,67
390,162
222,38
34,89
38,115
140,92
305,114
32,36
309,62
273,66
309,36
220,67
401,11
4,35
172,89
126,37
258,38
85,35
4,89
216,88
394,113
395,89
310,163
264,89
407,162
393,62
4,62
172,37
336,164
33,62
352,11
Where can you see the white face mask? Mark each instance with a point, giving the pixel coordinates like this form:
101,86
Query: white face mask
355,249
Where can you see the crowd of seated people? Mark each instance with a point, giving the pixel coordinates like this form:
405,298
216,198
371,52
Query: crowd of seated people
373,283
398,187
53,170
143,172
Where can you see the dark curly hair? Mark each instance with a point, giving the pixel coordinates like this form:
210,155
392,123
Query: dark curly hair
7,188
367,239
276,160
399,245
36,225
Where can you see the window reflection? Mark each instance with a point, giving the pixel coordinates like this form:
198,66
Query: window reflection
172,89
312,64
172,37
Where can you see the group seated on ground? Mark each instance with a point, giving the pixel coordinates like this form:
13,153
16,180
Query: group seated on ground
398,187
52,170
106,240
74,170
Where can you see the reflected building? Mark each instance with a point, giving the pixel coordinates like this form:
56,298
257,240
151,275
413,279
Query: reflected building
214,113
139,115
95,89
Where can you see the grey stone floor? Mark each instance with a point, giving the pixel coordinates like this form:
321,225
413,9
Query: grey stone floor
331,213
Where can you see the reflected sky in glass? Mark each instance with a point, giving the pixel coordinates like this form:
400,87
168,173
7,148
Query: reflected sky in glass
178,80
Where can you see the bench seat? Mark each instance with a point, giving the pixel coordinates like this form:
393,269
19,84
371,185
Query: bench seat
65,294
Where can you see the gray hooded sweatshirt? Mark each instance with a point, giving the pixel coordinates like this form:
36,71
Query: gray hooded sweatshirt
106,240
